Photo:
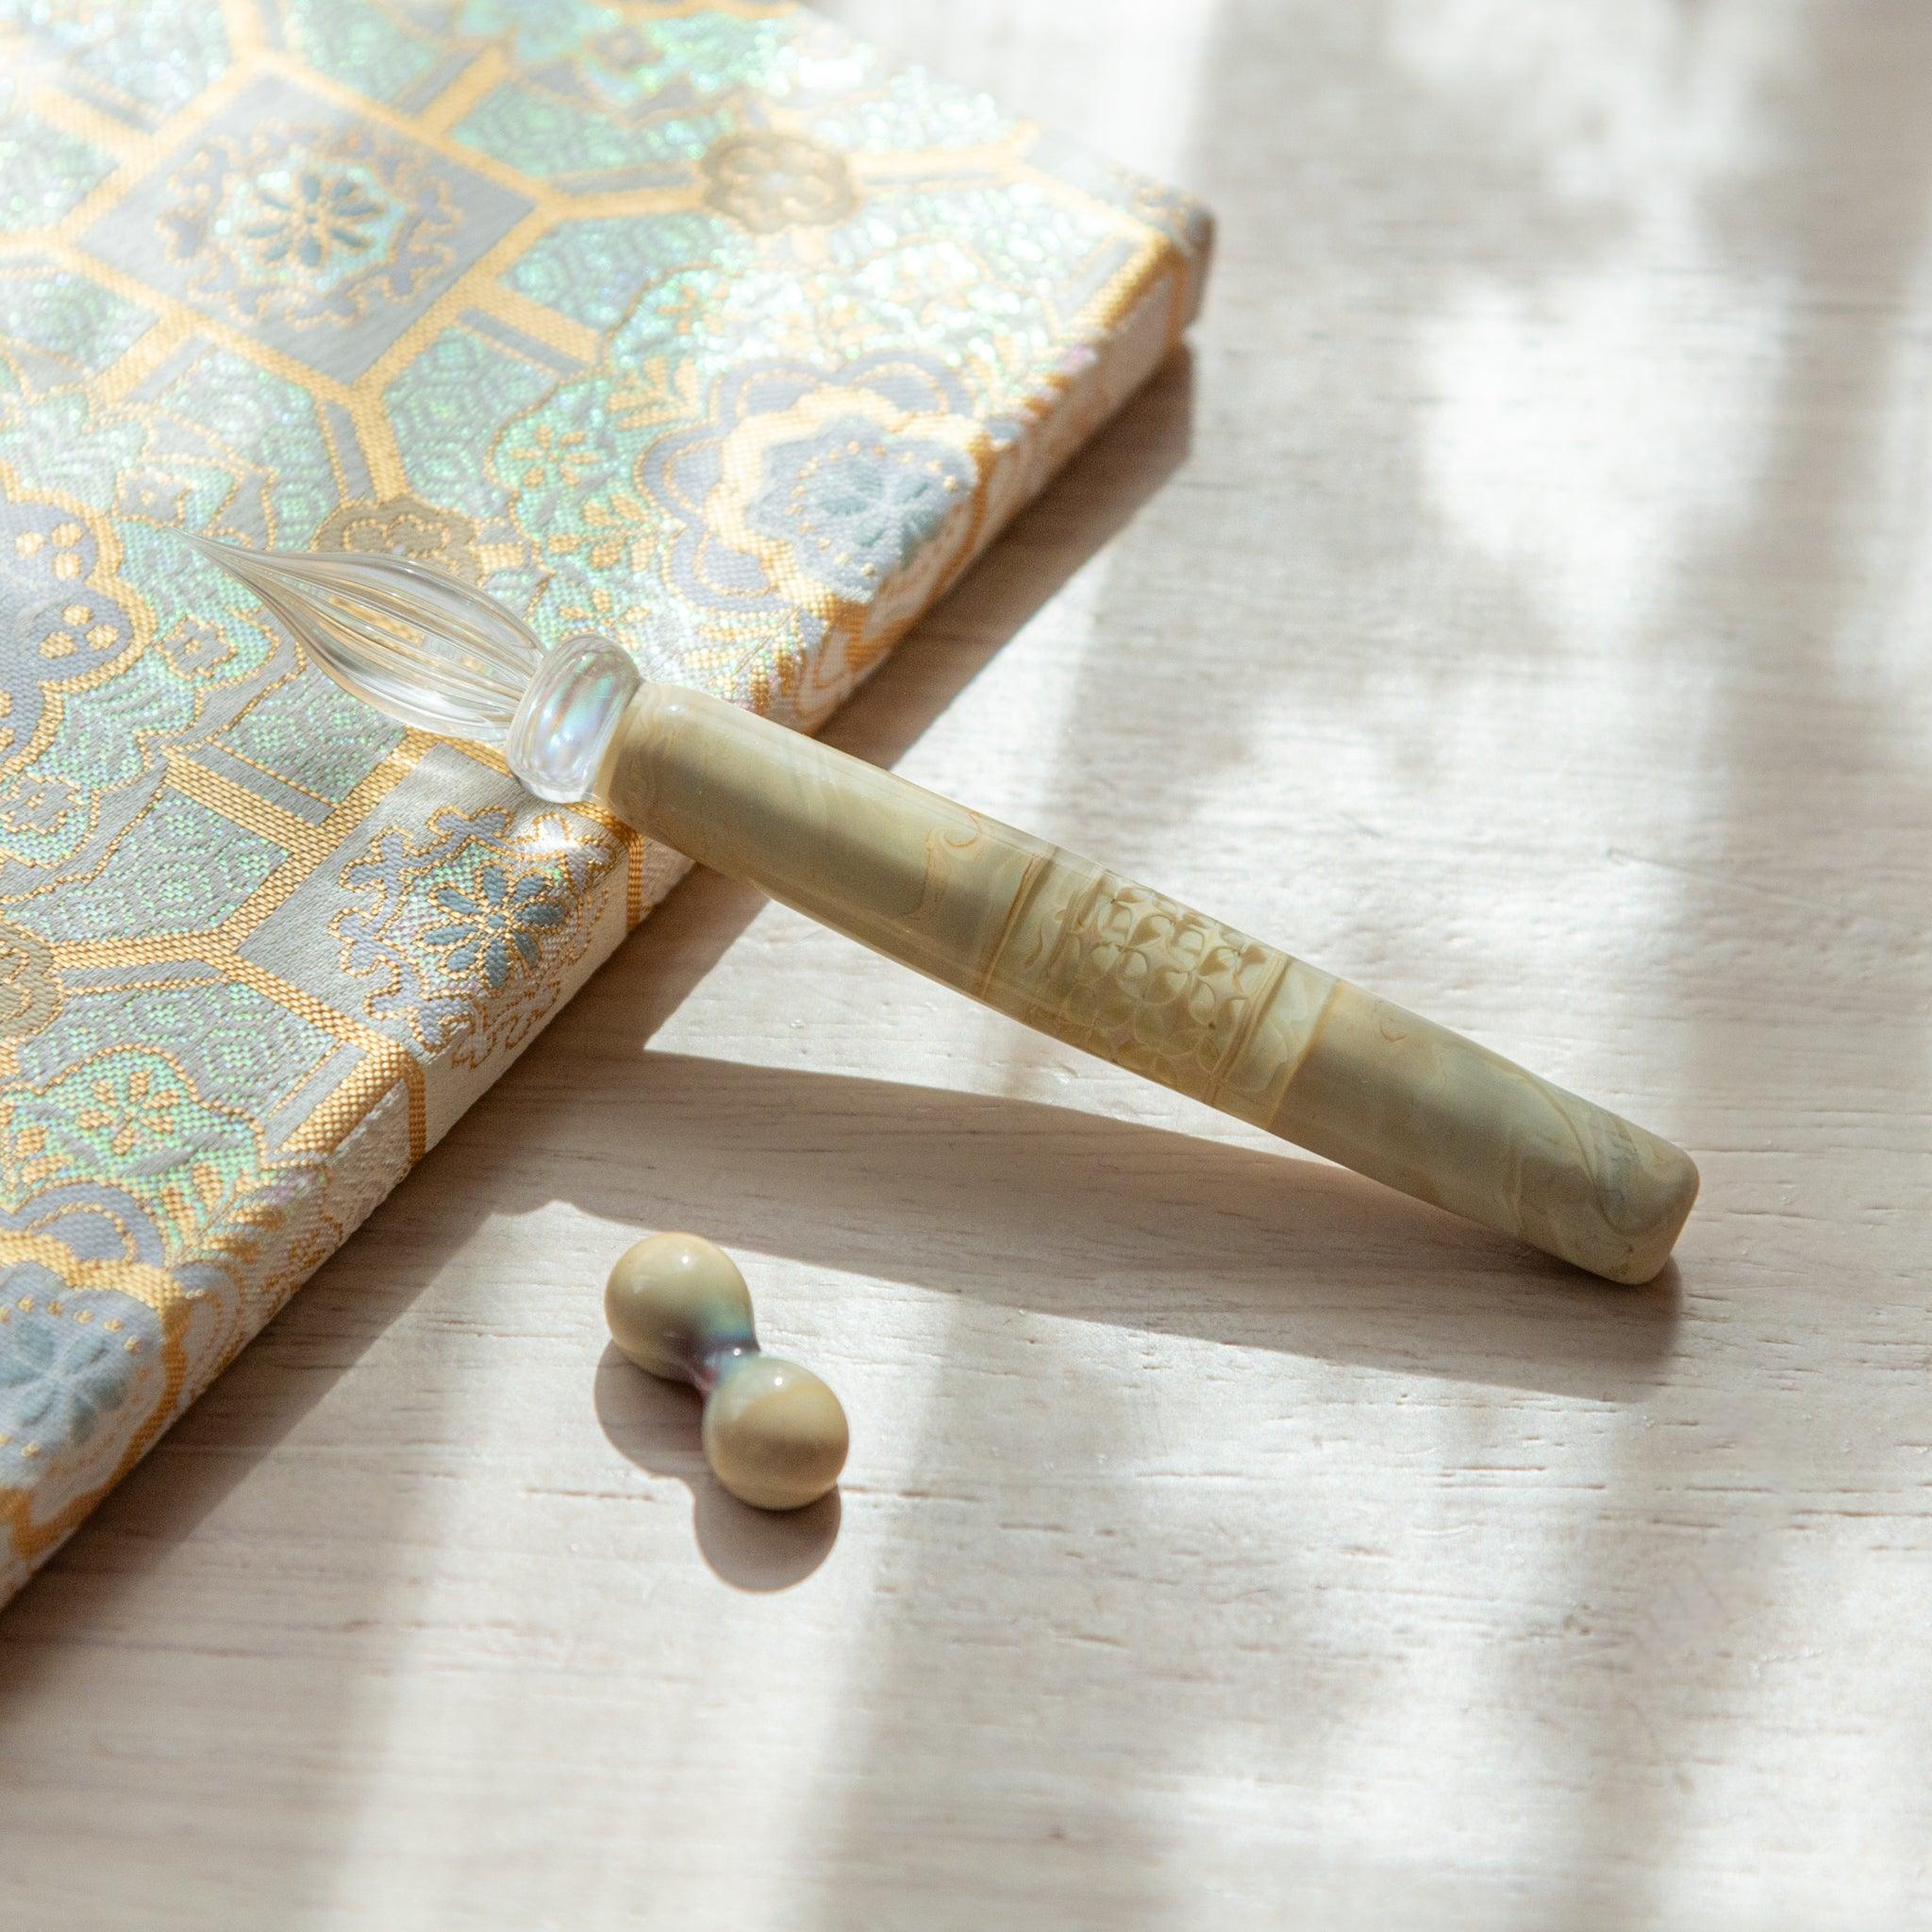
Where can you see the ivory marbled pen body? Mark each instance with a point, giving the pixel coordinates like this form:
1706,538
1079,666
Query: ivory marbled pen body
1057,941
1122,972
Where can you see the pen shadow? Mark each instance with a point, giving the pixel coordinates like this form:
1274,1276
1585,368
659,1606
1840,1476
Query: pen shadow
1058,1211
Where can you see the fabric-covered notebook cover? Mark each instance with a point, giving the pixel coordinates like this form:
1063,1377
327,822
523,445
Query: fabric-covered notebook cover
698,325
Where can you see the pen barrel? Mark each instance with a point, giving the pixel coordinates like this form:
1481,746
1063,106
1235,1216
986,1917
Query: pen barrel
1120,971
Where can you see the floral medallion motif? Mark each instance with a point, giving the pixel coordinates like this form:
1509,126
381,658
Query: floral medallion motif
496,924
132,1109
71,1360
197,648
57,1379
768,182
468,934
136,1121
853,502
811,479
404,526
309,226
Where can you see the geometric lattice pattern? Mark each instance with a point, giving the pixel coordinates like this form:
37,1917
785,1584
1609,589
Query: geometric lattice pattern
698,325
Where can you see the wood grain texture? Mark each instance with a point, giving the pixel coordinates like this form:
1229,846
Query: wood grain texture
1518,603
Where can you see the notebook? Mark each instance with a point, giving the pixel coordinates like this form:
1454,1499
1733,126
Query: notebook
703,326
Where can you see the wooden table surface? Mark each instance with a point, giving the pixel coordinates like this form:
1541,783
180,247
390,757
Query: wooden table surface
1518,601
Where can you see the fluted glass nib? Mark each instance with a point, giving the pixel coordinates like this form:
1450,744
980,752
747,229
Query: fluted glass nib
410,640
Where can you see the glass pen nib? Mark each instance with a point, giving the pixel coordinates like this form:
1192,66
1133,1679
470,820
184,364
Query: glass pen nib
410,640
444,657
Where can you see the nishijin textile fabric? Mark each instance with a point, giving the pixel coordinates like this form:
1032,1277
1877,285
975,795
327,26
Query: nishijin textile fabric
699,326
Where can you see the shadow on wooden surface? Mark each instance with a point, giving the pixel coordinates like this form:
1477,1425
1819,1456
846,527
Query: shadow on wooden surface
1146,1229
654,1424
